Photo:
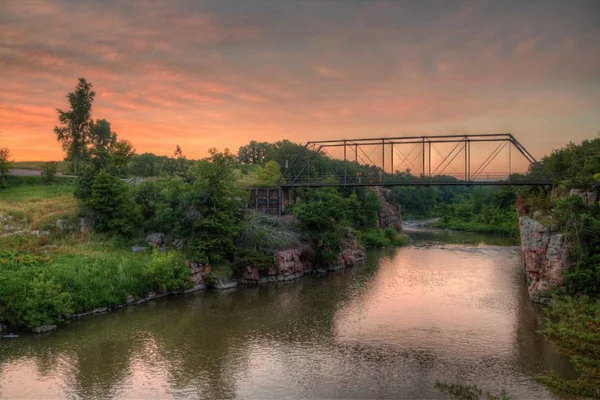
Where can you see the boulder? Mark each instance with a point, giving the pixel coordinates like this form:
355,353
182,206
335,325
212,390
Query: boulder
251,274
288,262
227,284
44,328
352,252
588,196
198,272
139,249
155,239
179,244
62,224
86,225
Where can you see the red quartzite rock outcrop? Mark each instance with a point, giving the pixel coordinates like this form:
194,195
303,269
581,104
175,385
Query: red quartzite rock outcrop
544,255
293,263
389,214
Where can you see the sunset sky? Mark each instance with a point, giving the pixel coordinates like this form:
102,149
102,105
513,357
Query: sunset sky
220,73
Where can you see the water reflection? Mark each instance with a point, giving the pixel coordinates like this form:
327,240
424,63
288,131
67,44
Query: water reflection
388,328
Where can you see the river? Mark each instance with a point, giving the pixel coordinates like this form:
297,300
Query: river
454,311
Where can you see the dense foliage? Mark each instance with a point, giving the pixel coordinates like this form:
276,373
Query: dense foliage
575,165
112,206
37,290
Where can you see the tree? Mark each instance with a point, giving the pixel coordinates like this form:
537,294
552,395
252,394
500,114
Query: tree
112,205
177,165
254,152
102,139
269,172
5,165
75,124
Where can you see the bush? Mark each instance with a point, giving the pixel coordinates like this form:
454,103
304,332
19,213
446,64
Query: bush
387,237
112,206
167,272
49,170
46,303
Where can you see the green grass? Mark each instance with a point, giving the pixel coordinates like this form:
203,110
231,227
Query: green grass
506,228
39,205
376,238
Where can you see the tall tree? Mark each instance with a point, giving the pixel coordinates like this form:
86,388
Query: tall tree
76,124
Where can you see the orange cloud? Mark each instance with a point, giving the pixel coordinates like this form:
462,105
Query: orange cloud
205,74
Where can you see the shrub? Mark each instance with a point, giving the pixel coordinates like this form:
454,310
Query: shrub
46,303
167,271
387,237
49,172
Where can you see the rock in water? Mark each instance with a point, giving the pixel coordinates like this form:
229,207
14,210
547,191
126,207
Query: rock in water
44,328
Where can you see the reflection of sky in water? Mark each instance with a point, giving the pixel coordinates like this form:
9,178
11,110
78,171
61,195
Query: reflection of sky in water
388,328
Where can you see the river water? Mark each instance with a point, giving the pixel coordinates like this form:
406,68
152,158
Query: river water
454,311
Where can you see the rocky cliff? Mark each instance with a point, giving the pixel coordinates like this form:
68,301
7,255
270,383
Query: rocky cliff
544,255
390,214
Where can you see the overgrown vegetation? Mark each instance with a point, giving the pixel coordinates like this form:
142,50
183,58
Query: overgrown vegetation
38,289
573,324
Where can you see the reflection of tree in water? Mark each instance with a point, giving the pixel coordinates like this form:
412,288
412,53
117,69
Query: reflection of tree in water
211,338
201,340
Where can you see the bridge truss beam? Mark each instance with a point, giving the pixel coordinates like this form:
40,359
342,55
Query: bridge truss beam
300,174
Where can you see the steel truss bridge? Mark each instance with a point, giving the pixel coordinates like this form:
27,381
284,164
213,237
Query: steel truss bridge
440,160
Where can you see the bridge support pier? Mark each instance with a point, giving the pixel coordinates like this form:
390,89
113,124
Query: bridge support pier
287,198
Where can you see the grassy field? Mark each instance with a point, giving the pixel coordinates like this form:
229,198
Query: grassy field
63,167
38,205
43,278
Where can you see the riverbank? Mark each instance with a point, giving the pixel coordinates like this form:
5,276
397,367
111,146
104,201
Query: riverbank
53,268
423,314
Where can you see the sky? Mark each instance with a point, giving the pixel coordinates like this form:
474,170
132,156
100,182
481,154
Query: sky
204,74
